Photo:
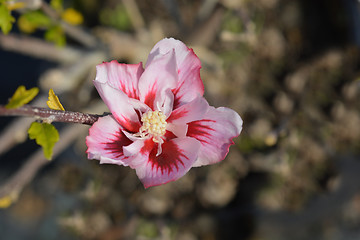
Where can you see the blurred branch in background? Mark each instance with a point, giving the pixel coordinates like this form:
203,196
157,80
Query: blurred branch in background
39,48
76,32
16,131
14,185
26,173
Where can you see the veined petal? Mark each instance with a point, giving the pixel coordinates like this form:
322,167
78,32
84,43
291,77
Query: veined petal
142,156
179,130
124,77
167,104
106,141
138,105
215,133
120,106
157,79
189,112
177,157
133,148
189,84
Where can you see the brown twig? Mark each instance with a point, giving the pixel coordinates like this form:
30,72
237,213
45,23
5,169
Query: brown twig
50,115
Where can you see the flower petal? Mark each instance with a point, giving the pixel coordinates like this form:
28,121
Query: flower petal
189,84
120,106
179,130
106,140
177,157
189,112
142,156
167,103
157,79
133,148
215,133
124,77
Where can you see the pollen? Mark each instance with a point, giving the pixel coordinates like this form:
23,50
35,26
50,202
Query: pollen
154,124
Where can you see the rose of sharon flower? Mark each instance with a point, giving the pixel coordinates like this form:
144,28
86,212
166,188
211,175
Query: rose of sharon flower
161,125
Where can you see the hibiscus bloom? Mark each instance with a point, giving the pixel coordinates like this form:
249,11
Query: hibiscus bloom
160,125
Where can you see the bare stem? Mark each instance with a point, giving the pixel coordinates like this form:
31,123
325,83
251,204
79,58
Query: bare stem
50,115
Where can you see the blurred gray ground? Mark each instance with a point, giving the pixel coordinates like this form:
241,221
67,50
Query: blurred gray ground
289,68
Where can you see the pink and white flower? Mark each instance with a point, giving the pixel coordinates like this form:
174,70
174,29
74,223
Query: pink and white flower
161,125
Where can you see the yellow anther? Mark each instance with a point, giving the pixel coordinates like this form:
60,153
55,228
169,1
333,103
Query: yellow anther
154,124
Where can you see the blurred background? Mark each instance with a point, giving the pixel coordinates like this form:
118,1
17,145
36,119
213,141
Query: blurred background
289,68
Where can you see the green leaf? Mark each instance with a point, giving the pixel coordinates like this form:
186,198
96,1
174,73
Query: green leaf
56,35
45,135
57,5
22,96
38,18
6,20
30,21
116,17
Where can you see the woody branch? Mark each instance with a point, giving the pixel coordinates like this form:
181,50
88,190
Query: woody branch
50,115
